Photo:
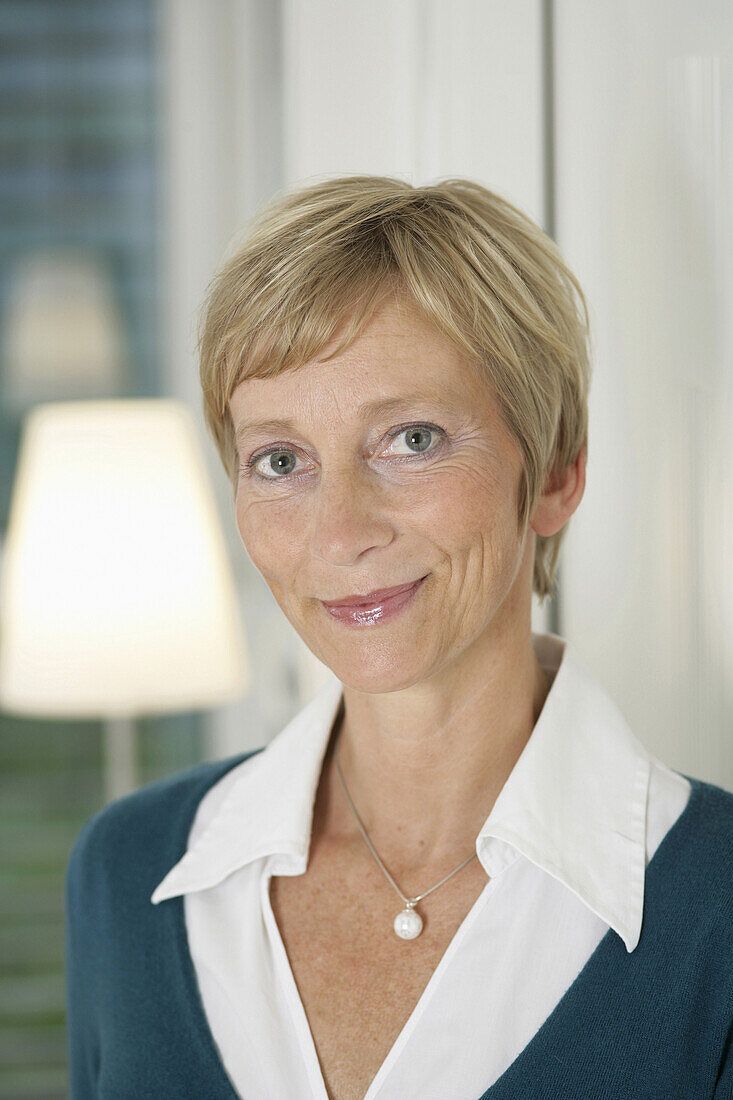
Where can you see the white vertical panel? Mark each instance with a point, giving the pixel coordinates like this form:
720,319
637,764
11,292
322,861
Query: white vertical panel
644,184
350,73
416,88
221,151
197,193
480,105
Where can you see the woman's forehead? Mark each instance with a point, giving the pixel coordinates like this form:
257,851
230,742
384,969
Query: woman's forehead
365,390
398,355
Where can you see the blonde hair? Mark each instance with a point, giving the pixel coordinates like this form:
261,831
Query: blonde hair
327,254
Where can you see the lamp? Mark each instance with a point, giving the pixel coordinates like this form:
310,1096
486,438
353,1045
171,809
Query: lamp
63,337
116,597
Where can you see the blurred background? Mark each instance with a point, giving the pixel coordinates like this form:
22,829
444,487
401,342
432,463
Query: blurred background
136,137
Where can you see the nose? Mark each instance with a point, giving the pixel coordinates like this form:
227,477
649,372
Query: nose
350,515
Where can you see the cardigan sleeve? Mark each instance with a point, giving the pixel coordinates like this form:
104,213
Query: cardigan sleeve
81,1009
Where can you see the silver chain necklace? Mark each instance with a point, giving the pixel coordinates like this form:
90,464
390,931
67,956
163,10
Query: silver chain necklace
408,923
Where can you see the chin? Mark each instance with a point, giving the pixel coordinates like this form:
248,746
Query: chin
376,670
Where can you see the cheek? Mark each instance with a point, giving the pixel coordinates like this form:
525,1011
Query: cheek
267,536
472,503
478,529
456,494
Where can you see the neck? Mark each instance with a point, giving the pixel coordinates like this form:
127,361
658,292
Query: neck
425,765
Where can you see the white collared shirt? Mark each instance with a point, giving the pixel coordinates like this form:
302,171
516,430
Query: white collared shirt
565,847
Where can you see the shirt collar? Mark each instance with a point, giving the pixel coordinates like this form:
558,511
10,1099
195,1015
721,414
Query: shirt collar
574,803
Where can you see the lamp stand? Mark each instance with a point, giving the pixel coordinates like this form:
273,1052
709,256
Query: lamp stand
120,757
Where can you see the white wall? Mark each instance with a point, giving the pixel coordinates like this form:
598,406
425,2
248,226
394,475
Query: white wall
644,185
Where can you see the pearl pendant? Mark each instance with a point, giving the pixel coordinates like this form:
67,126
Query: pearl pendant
408,924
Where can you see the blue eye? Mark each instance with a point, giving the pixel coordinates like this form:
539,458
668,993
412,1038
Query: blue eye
420,431
282,460
278,467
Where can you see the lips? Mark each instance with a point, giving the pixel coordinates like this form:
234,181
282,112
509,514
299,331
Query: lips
372,597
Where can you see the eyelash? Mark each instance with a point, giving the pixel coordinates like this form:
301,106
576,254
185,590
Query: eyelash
248,467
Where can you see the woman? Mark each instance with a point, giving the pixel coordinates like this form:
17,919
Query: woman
456,873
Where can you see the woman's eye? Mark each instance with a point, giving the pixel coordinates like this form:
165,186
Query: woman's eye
277,464
418,439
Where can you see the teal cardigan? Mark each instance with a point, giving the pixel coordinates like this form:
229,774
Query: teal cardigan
653,1024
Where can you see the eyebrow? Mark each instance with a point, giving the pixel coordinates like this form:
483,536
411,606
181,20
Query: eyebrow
368,408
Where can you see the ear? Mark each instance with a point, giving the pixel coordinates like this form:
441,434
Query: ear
561,496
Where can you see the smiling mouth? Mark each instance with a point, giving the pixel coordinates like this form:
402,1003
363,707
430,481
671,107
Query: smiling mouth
372,598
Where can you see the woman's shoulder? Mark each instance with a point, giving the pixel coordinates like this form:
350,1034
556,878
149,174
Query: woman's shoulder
153,820
711,808
698,852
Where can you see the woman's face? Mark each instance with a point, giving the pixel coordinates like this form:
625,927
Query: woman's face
345,497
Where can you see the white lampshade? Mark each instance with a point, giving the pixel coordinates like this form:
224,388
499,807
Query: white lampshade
116,596
62,333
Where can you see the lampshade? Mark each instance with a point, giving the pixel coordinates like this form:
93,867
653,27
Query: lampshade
116,596
62,333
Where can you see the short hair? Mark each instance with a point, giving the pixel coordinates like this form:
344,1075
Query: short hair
324,255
